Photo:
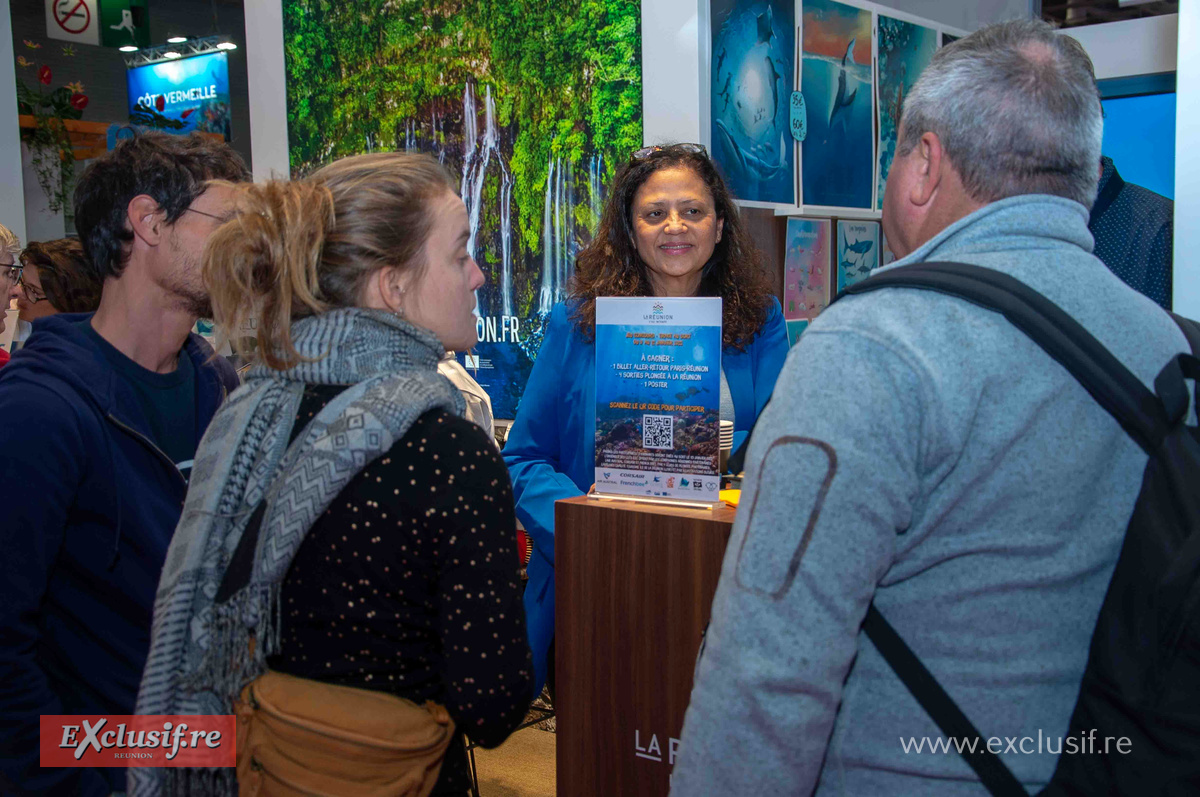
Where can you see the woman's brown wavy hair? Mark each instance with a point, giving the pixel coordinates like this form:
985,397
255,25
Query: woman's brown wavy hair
610,266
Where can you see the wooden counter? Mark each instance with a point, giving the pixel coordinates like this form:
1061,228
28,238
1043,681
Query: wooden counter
635,584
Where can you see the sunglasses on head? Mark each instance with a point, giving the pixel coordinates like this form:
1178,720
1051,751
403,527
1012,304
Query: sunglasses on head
646,152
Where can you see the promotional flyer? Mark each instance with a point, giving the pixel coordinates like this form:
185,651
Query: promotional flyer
658,397
193,93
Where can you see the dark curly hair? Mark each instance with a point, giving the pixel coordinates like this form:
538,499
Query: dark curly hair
67,278
610,265
171,170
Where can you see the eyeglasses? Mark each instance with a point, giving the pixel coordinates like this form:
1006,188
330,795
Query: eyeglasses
31,294
221,219
11,273
646,152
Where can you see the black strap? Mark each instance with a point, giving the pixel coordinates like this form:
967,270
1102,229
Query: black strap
1139,411
1114,387
1190,330
996,777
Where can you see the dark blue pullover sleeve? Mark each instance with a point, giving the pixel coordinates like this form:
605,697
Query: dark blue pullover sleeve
39,473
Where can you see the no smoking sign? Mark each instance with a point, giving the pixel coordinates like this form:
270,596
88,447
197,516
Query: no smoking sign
73,20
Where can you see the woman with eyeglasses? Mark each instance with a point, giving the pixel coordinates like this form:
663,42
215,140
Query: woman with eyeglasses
669,228
56,278
10,275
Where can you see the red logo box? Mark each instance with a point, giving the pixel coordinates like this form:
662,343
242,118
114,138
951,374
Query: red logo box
162,740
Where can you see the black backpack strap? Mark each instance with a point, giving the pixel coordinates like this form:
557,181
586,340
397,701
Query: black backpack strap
996,777
1138,410
1115,388
1190,330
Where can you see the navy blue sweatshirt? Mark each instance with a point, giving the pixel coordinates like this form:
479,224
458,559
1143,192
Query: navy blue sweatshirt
88,505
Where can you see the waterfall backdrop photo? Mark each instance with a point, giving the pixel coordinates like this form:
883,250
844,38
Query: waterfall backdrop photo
532,106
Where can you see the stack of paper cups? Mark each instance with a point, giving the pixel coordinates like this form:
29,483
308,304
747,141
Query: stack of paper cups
726,443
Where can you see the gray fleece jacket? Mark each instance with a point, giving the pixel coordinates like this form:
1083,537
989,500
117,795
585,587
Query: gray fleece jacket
922,452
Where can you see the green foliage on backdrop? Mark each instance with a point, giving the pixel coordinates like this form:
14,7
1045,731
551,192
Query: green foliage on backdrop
566,76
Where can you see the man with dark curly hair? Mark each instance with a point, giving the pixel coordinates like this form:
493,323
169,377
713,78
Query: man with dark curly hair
102,416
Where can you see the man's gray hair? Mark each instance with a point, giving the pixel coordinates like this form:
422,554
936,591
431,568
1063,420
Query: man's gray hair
1017,111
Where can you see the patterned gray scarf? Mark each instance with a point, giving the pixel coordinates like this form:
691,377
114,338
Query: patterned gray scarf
199,650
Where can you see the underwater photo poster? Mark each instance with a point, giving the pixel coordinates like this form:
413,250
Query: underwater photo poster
857,251
751,83
807,277
529,110
905,49
837,158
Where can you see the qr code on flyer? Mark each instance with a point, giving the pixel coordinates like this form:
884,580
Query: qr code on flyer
658,431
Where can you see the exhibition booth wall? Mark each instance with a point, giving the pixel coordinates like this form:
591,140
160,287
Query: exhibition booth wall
675,106
101,72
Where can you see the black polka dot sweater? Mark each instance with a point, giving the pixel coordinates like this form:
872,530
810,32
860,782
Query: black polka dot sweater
408,584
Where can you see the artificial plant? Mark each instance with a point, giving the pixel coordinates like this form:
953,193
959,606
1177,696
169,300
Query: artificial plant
48,140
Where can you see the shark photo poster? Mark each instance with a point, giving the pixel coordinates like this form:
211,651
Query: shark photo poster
752,77
905,50
532,143
837,159
806,272
857,251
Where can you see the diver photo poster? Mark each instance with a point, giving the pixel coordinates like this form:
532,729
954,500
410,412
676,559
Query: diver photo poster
530,110
905,49
752,77
658,397
837,158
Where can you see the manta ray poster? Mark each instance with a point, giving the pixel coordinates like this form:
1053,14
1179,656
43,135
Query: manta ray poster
806,272
857,251
905,50
753,64
838,156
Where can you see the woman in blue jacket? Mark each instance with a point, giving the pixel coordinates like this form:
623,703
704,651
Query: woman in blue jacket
670,228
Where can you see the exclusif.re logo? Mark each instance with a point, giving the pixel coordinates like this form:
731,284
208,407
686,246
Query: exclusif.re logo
138,740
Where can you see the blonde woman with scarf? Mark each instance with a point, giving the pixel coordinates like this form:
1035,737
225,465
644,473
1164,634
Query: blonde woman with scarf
346,528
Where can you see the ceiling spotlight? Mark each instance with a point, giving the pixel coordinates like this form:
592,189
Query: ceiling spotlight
128,48
171,54
226,46
177,40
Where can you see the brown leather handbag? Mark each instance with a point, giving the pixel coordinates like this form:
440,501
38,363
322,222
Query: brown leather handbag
296,736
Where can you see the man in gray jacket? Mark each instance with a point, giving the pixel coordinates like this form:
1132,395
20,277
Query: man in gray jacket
922,453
